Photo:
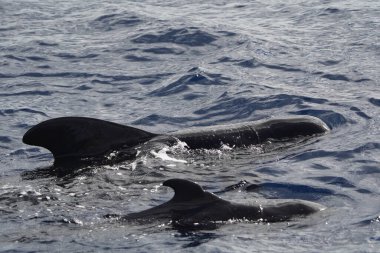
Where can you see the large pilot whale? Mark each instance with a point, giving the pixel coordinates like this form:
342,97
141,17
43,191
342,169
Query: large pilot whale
81,139
192,206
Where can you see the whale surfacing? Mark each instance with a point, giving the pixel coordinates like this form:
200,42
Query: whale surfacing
192,205
81,139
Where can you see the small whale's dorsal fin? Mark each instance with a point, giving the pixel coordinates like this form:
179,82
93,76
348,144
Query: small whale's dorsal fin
184,190
78,137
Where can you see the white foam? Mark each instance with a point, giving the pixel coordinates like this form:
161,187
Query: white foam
165,157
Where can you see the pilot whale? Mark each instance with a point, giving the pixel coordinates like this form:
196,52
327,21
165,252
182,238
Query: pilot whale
81,139
192,206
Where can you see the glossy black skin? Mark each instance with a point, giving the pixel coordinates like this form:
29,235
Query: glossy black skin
251,133
80,139
192,205
77,140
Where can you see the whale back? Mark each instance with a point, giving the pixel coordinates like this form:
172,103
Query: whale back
192,205
251,133
288,128
87,139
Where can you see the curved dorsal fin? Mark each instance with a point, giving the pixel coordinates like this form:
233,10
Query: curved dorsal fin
184,190
78,137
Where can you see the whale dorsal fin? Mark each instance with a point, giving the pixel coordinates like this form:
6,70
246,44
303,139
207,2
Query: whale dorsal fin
78,137
184,190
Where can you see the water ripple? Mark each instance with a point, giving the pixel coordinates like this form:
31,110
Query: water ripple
242,107
374,101
288,191
331,118
154,119
47,44
193,77
72,56
80,75
110,22
27,93
16,111
191,36
37,58
338,181
254,63
338,155
164,50
135,58
359,112
336,77
329,62
5,139
12,57
369,169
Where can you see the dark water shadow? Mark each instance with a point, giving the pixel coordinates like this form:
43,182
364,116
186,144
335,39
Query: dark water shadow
289,191
331,118
337,155
369,221
241,184
337,181
194,76
243,107
189,36
374,101
195,238
63,174
114,21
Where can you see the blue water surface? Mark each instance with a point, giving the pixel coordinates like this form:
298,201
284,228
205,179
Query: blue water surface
169,65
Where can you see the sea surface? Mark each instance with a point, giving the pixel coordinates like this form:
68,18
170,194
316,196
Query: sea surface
169,65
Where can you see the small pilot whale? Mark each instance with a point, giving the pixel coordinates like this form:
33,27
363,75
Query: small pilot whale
84,139
192,205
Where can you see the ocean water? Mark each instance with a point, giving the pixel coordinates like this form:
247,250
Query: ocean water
169,65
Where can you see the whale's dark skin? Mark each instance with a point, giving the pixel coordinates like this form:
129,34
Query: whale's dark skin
83,139
192,205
